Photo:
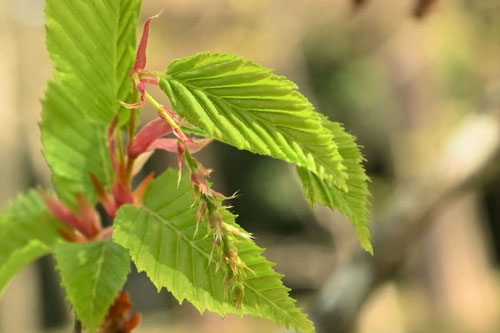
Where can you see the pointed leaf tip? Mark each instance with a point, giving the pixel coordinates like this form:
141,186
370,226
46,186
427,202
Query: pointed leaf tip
140,60
355,203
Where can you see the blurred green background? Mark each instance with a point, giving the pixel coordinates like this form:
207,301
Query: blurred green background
401,84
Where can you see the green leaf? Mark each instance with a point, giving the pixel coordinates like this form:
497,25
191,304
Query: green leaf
354,203
92,46
74,149
27,232
93,275
243,104
161,239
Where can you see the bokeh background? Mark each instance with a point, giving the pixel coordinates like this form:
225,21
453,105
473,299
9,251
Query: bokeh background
405,76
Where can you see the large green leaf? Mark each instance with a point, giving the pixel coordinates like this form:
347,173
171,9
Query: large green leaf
27,232
162,241
354,203
246,105
93,275
91,43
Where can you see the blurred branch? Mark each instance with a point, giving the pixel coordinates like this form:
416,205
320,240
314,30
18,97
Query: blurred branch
469,153
422,8
288,251
358,3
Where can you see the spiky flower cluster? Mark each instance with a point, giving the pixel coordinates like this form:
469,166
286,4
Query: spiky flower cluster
209,210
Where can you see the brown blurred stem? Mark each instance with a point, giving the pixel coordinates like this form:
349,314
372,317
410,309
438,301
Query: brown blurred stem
469,153
358,3
422,8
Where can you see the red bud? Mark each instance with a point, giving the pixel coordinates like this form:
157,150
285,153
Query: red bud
122,194
147,135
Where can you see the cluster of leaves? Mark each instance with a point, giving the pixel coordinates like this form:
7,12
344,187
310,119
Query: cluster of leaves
175,227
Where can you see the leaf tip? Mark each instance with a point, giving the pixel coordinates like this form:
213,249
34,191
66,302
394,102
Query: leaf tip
368,248
140,61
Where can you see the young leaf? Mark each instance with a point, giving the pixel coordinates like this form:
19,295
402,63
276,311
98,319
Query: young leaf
92,46
93,275
27,232
354,203
162,240
243,104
